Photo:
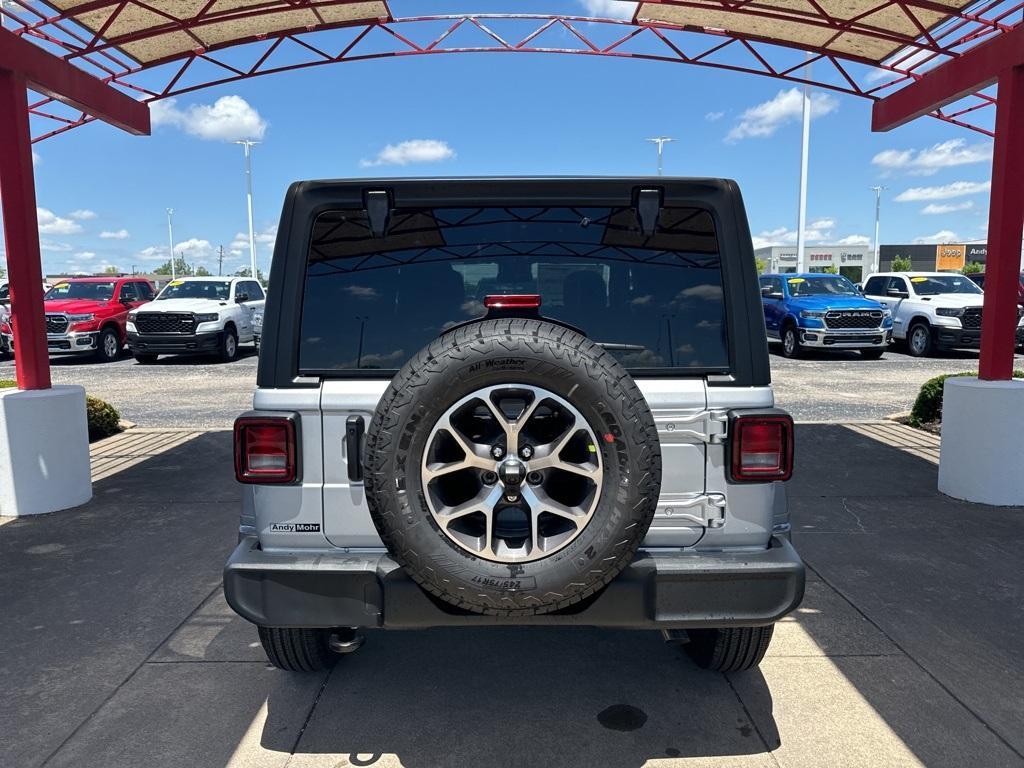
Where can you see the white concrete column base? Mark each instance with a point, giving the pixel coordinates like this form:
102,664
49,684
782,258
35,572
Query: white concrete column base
44,451
981,457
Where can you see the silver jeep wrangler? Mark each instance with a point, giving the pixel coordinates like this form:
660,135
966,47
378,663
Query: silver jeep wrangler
488,402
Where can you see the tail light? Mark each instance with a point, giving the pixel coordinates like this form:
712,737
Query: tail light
266,450
762,448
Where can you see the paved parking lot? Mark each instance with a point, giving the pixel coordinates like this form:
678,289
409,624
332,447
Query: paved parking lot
199,392
120,652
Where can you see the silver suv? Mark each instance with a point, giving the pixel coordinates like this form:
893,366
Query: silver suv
492,402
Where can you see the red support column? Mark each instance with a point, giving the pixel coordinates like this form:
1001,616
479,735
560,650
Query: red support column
21,232
1005,223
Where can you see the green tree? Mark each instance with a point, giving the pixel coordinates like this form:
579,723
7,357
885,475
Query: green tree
762,265
111,270
246,272
829,270
973,268
901,264
203,272
181,267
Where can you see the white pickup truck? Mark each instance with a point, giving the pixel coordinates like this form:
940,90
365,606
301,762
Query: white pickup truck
931,310
194,315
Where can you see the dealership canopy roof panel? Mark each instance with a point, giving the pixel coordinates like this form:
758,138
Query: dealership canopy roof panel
158,30
865,29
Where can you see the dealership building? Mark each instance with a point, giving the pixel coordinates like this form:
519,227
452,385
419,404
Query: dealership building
852,261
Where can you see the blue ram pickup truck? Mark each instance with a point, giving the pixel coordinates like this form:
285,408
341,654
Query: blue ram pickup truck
821,311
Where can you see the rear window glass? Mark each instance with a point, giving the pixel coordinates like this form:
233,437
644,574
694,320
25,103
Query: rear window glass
654,301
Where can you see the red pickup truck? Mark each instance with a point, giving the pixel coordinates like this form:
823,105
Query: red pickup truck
87,315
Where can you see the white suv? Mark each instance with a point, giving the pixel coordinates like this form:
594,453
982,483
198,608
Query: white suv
196,315
930,309
517,402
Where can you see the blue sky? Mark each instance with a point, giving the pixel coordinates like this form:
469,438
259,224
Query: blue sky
104,193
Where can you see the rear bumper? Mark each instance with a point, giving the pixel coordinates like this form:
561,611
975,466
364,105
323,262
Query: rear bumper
658,590
168,344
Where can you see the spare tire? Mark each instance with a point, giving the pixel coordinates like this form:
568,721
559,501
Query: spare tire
512,467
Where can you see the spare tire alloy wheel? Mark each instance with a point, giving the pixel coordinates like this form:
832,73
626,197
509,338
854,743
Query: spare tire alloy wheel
533,498
512,467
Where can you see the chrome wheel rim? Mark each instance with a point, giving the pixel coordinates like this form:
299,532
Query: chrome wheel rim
229,345
918,340
512,473
789,342
110,345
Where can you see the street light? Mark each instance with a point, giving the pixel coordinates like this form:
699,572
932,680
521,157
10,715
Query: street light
170,239
248,145
805,143
661,141
878,210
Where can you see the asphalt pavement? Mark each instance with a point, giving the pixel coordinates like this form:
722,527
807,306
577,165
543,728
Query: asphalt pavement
120,652
199,392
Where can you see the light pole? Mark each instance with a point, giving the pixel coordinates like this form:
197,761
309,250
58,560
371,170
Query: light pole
248,145
661,141
801,224
878,212
170,240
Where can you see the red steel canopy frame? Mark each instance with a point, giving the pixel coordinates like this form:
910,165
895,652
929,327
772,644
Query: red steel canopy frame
24,65
154,49
999,61
197,64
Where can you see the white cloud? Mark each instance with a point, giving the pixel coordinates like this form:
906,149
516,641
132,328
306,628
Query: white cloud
82,214
52,224
944,192
942,236
714,117
933,209
36,158
609,9
85,255
766,118
230,118
265,237
929,161
117,234
53,246
854,240
413,151
817,231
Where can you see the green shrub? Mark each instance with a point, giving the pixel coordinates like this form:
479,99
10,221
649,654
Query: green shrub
6,383
928,405
973,268
901,264
103,418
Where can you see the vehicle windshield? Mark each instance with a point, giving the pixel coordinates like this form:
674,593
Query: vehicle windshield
93,291
827,285
934,285
653,301
215,290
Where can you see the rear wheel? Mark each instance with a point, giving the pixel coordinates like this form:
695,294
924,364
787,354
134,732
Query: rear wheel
791,342
919,340
297,650
108,346
872,354
729,650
